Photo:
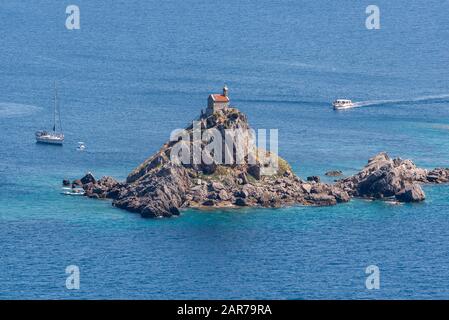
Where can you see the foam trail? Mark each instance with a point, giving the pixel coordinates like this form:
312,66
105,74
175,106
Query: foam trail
9,109
392,101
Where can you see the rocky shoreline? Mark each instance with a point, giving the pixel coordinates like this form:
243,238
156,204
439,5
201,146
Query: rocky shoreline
160,187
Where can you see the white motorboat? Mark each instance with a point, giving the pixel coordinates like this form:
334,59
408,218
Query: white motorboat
341,104
52,137
81,146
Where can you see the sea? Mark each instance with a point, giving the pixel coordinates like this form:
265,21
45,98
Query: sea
136,70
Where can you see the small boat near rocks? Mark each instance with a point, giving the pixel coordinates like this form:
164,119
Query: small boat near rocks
73,191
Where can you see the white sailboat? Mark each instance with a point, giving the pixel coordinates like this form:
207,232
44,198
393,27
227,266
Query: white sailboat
52,137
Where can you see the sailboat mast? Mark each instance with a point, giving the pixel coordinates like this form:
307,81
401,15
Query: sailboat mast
59,114
54,113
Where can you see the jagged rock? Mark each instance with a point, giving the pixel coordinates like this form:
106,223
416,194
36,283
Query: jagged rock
107,182
264,199
87,178
249,189
158,193
131,204
318,188
113,193
88,188
159,211
153,162
381,157
216,186
223,195
438,175
411,193
382,183
98,190
106,187
199,191
340,195
384,177
306,187
321,199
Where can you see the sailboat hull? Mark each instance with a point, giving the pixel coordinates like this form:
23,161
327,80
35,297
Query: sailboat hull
50,138
50,141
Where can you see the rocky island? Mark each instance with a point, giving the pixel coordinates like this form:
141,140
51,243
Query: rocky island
161,186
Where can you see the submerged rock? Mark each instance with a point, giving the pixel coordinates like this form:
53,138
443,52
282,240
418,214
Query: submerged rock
334,173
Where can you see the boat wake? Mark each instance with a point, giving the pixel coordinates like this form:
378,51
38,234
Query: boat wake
8,109
401,101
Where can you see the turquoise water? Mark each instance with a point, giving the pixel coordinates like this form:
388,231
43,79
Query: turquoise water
137,70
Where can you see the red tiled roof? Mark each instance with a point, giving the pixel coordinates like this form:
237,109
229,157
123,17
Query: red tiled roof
219,98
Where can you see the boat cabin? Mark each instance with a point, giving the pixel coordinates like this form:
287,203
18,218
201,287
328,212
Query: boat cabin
343,101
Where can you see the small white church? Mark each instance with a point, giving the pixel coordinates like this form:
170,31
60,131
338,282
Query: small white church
217,102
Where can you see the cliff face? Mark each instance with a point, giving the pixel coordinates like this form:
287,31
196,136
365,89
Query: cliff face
162,184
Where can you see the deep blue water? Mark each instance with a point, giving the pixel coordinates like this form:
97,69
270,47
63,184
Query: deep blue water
138,69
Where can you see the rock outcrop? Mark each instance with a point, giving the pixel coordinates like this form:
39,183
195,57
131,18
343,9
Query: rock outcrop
163,184
88,178
411,193
384,177
438,175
